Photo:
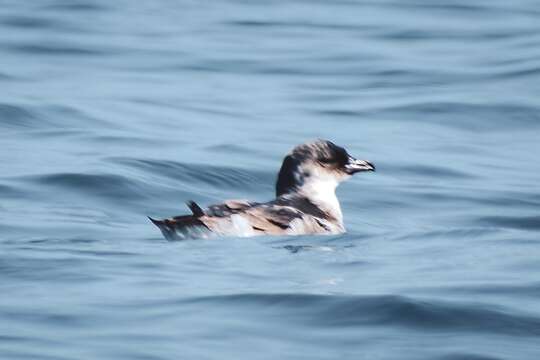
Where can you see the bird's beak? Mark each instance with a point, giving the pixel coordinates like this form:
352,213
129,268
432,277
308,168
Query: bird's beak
356,165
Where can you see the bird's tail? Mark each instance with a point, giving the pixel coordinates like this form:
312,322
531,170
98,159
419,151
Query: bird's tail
166,230
181,227
156,222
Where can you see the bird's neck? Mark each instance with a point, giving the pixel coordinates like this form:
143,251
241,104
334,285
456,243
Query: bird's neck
322,193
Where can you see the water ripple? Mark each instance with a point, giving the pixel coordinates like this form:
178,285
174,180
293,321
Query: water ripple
353,311
468,116
468,356
108,186
57,49
14,116
45,118
514,222
36,23
213,175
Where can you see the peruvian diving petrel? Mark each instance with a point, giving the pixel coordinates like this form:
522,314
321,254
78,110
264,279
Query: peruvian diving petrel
305,202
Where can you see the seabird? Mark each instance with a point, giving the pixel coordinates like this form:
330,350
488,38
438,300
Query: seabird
305,202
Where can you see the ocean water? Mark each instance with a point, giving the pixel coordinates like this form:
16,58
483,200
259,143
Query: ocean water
114,110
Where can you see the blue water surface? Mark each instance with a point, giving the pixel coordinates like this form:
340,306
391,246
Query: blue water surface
114,110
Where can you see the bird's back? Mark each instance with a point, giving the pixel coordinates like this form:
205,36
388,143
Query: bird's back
283,216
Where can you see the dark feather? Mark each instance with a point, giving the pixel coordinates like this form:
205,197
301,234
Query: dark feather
287,180
195,208
229,208
303,204
174,227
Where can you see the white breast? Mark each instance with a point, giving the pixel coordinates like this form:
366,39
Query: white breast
321,191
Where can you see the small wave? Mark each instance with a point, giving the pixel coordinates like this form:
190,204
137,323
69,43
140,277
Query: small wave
518,72
522,290
230,149
103,185
514,222
452,233
298,24
7,191
123,139
6,77
55,49
293,69
462,116
45,117
390,310
36,23
215,176
513,200
467,356
14,116
431,171
79,6
64,269
454,7
57,319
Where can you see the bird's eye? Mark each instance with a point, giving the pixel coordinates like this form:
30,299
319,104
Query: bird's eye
325,160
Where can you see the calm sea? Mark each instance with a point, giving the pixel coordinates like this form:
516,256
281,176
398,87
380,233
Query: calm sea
114,110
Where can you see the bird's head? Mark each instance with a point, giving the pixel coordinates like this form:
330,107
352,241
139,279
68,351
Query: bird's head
317,164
